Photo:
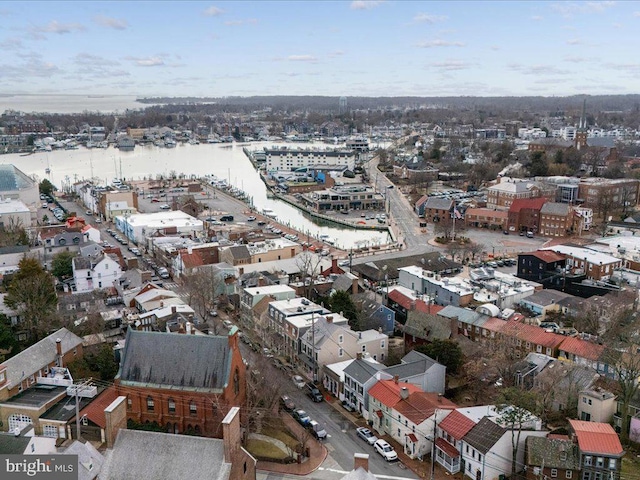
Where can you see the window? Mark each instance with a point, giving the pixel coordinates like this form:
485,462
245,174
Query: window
150,404
587,460
554,472
364,348
129,403
568,474
612,464
599,462
382,344
584,399
340,352
192,408
172,406
340,338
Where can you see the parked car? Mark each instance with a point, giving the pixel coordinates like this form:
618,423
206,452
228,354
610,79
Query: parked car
367,435
314,393
317,430
226,218
287,403
301,417
529,234
164,206
251,219
386,450
227,324
298,381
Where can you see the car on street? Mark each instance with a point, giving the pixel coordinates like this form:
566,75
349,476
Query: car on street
287,403
164,206
386,450
314,392
298,381
251,219
317,429
343,263
301,417
367,435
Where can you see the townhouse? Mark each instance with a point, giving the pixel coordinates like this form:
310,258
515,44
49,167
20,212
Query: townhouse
600,449
584,261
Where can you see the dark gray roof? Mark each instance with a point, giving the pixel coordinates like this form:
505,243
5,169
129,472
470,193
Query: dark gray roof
427,326
240,252
484,435
343,283
195,362
13,179
552,453
550,141
546,297
607,142
139,455
362,371
81,263
433,261
553,208
12,445
412,364
439,203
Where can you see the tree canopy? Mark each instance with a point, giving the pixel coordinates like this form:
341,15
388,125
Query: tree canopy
61,265
341,301
46,187
446,352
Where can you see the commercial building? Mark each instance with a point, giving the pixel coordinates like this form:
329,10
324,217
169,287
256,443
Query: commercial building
140,226
344,198
290,159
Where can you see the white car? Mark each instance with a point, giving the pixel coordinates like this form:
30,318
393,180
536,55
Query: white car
367,435
298,381
386,450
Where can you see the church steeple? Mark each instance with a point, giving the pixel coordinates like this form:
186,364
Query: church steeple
583,118
581,133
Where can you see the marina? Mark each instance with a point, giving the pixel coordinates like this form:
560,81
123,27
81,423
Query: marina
227,162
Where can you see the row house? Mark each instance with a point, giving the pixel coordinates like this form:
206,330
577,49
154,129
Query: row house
486,218
507,190
251,296
440,290
595,265
599,448
359,376
551,457
90,273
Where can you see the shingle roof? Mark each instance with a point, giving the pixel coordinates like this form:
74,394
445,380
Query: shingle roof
139,455
197,362
546,297
12,445
456,425
439,203
240,252
95,410
387,392
421,405
582,348
552,453
39,355
362,370
594,437
426,326
484,435
413,363
554,208
89,459
532,334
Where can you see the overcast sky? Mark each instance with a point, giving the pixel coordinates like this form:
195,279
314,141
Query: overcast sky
370,48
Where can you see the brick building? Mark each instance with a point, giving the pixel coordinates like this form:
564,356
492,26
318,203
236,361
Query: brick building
507,190
556,219
595,192
184,383
486,218
524,214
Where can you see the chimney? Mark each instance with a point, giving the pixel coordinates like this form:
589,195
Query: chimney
161,304
231,436
329,318
454,328
115,416
189,328
359,356
59,351
174,309
359,335
241,270
361,460
190,250
439,398
404,393
261,281
395,379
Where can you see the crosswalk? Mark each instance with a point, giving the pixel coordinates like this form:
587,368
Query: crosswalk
170,285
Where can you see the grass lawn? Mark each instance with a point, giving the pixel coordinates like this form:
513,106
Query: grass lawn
263,449
281,435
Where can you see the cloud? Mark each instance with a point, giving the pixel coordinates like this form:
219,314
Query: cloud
574,41
34,66
146,62
439,43
569,9
11,43
302,58
60,28
428,18
109,22
237,23
636,14
573,59
537,69
336,53
213,11
88,59
365,4
537,18
450,65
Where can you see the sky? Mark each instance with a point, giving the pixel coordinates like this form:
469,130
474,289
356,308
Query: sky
351,48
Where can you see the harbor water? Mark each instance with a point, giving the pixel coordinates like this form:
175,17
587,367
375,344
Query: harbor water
224,160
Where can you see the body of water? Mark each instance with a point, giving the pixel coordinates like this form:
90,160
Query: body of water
70,103
225,161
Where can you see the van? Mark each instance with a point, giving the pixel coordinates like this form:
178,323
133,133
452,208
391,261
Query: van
226,218
317,429
314,392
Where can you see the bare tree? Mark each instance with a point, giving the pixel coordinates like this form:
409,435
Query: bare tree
454,249
626,368
310,266
203,287
475,249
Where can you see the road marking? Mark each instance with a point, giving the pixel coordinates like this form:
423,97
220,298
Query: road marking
342,472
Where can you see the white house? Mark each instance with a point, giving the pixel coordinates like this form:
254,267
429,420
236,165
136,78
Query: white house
95,273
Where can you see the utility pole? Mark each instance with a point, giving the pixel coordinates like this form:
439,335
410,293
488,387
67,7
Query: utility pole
433,445
79,387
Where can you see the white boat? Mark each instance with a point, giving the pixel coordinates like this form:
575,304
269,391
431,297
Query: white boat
169,143
327,239
269,213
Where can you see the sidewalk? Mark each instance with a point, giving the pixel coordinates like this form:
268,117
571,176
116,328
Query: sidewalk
317,452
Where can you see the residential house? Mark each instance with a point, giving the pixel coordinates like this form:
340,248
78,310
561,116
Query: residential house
551,457
419,206
26,443
97,420
377,316
415,418
524,338
600,449
595,265
384,395
90,273
90,460
360,468
543,302
581,352
425,327
325,343
596,405
465,322
191,259
450,432
524,215
184,383
359,377
251,296
235,255
418,369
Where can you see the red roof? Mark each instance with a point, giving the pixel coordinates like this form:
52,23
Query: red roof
594,437
95,410
494,324
413,438
456,424
531,334
425,307
447,448
401,299
422,200
547,256
419,406
387,392
531,203
582,348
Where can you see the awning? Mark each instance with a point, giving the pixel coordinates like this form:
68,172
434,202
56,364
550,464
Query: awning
379,413
412,437
447,448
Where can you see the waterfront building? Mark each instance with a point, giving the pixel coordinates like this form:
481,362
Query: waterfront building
138,227
345,197
290,159
16,185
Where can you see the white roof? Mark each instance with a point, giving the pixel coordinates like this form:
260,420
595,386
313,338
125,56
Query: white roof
271,244
268,290
164,219
452,284
475,414
586,254
8,206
